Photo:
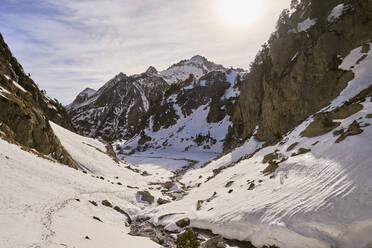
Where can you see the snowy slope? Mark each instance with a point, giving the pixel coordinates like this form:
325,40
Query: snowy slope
182,136
321,198
39,206
197,65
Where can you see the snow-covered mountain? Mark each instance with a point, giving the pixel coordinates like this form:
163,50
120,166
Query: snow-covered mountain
197,66
116,110
82,97
119,109
194,115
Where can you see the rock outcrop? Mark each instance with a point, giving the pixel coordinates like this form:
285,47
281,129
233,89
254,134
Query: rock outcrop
25,111
297,72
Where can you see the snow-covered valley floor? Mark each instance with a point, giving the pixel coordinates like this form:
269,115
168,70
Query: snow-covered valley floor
322,198
46,204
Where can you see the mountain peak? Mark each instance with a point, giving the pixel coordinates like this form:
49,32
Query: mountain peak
88,91
198,59
151,70
120,76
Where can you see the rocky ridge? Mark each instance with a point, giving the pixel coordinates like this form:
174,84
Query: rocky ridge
25,111
122,108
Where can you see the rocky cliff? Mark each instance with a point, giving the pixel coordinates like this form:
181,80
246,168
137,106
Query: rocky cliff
297,71
295,74
25,111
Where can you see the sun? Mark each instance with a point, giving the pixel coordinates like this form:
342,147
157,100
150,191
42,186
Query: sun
239,12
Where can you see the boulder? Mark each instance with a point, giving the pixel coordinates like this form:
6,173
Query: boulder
215,242
183,222
146,197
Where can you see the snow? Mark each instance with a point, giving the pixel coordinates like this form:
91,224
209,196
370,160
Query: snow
145,101
181,71
320,199
87,92
362,74
39,207
19,86
336,12
52,107
15,83
306,24
2,90
181,135
294,57
233,91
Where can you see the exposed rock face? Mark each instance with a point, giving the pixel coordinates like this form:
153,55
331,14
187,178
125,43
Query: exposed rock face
297,73
117,109
25,111
123,107
183,222
83,96
194,114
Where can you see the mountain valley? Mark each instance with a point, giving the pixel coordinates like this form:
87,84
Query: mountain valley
201,155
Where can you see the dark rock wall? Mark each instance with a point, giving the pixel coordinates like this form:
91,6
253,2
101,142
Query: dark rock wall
25,116
283,90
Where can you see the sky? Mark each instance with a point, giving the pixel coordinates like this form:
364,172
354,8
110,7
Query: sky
68,45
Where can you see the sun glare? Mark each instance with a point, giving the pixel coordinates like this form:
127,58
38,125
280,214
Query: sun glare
239,12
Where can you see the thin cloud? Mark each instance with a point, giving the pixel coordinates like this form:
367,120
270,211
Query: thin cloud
70,45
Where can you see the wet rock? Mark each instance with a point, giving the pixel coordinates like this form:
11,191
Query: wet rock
142,227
